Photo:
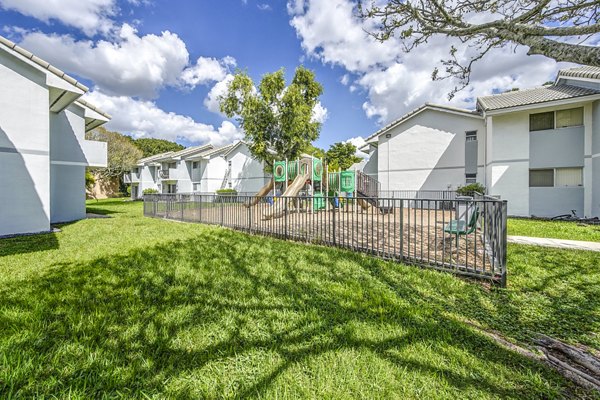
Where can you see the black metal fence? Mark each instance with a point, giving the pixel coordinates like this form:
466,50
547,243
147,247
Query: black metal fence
465,236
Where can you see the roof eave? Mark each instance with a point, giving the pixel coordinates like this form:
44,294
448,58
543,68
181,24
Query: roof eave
552,103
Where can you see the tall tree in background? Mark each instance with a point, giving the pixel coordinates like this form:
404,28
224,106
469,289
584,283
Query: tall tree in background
553,28
341,156
275,117
150,146
122,153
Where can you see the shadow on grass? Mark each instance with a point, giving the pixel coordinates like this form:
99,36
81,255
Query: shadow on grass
101,211
148,321
28,244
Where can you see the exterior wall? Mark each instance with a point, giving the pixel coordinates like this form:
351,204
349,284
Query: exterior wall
247,174
549,202
67,192
24,148
214,173
148,179
557,147
594,160
513,151
427,152
371,167
184,176
68,161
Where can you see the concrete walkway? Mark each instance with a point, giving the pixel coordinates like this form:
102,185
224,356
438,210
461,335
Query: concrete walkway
557,243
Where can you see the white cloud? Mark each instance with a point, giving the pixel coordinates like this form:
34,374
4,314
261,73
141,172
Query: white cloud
131,66
128,64
207,70
264,7
395,82
211,102
344,42
91,16
146,119
358,142
319,113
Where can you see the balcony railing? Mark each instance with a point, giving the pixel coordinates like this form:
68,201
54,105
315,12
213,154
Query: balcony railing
167,174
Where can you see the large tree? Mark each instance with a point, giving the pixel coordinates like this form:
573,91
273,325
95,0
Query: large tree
277,119
341,156
122,153
553,28
151,146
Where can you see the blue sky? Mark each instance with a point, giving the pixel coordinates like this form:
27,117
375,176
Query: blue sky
155,65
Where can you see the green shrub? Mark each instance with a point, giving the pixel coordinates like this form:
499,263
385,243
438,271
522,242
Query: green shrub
468,190
150,191
128,192
227,191
90,180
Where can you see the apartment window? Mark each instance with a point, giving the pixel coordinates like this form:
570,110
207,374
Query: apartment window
229,163
196,187
571,117
470,178
559,177
172,165
471,136
569,177
541,121
541,178
229,185
195,165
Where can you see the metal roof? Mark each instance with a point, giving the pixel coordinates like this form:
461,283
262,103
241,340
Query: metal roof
533,96
585,71
53,70
93,107
155,157
45,65
430,106
217,150
192,150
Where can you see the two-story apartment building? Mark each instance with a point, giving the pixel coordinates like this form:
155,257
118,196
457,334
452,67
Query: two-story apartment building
200,169
537,148
43,150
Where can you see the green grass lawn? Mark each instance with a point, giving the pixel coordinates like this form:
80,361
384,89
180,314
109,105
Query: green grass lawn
553,229
131,307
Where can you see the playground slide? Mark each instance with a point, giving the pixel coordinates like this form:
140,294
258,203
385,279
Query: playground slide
261,193
292,190
363,204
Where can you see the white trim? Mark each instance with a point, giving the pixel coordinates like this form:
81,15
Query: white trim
575,78
596,155
72,163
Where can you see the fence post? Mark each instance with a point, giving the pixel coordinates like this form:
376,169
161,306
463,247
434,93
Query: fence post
504,241
181,205
402,229
333,226
249,216
221,207
285,222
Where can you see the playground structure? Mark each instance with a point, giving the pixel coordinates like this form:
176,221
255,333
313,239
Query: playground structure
309,178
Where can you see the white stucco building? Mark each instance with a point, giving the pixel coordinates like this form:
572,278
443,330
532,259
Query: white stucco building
200,169
43,151
537,148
